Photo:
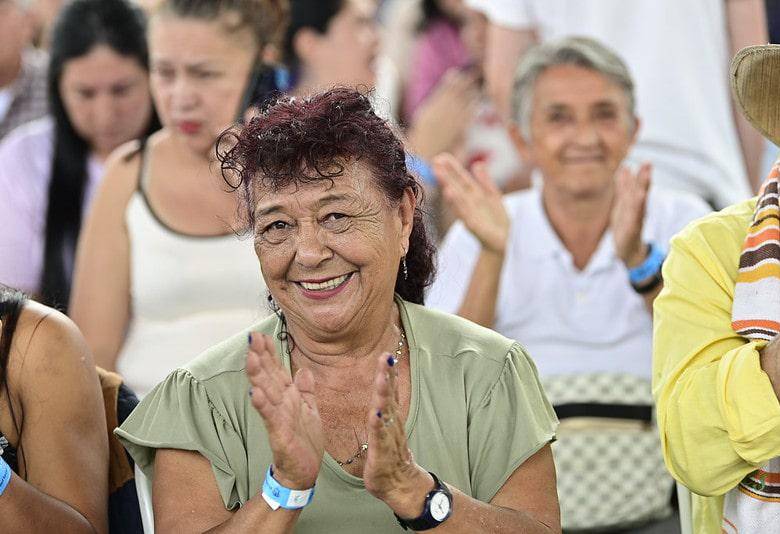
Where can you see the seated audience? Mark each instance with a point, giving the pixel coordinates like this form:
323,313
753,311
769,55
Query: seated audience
50,169
353,387
716,347
570,269
160,274
53,441
22,68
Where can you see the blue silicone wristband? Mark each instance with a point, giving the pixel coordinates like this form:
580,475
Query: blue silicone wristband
649,267
5,475
277,495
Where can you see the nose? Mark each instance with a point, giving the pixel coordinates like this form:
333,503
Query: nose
183,94
106,111
586,134
312,250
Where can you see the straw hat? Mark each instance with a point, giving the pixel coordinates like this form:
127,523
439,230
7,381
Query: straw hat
755,84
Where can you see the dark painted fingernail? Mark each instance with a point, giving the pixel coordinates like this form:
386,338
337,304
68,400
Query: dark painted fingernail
379,414
249,338
390,361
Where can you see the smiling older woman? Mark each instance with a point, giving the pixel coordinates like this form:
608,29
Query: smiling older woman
354,388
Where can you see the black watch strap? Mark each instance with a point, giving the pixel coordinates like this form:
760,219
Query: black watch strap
426,520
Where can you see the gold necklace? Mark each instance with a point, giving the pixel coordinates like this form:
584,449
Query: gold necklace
364,446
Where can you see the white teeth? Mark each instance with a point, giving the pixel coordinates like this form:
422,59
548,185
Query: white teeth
333,283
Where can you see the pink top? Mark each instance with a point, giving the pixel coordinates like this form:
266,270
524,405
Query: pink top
438,49
25,173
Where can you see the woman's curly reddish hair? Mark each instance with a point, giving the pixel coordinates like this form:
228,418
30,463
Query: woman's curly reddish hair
297,141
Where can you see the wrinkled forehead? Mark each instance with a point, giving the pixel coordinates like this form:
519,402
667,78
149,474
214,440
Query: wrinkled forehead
355,184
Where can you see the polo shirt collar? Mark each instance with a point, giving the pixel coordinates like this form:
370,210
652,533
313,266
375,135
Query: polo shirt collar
542,241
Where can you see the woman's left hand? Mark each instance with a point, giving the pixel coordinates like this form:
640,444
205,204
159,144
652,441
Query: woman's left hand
390,473
628,214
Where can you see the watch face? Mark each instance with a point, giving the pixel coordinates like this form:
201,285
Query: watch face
440,507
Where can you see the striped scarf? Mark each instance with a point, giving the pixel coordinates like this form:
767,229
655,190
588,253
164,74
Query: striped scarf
755,313
754,505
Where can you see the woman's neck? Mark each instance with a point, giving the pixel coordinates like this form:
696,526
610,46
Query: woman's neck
580,223
357,350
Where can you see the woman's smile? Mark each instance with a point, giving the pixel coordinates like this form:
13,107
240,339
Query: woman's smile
324,288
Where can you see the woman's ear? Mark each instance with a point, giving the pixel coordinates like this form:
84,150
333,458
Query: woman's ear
520,142
406,209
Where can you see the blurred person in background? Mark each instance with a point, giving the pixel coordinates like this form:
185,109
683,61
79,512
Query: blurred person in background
53,448
50,169
160,274
450,50
691,134
22,68
570,269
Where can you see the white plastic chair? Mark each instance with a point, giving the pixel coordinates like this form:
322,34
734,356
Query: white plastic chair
684,501
143,486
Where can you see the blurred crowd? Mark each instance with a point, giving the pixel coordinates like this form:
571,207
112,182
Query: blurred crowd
560,144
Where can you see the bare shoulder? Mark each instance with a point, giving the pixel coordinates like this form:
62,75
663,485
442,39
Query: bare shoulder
48,346
123,169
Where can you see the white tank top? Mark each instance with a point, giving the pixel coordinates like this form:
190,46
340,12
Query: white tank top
187,294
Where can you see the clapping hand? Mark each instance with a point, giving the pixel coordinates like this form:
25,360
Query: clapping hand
289,409
390,473
628,214
475,200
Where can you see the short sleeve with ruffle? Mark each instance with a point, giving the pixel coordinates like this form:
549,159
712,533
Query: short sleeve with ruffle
512,422
178,414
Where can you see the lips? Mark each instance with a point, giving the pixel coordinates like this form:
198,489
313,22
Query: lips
189,127
324,288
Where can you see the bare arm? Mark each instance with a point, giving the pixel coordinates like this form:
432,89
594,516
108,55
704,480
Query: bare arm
503,50
186,499
64,437
747,25
477,202
100,299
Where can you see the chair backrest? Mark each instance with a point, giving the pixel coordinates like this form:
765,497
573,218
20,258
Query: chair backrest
686,516
144,488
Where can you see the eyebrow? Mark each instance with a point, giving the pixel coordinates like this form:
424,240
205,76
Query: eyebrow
327,199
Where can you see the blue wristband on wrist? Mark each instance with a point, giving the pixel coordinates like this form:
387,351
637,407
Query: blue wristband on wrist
5,475
649,267
278,496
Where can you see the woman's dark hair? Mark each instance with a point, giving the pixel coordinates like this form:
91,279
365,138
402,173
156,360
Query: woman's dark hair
11,304
431,12
266,20
299,141
313,14
81,26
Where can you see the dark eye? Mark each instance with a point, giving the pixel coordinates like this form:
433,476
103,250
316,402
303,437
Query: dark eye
334,216
558,117
276,225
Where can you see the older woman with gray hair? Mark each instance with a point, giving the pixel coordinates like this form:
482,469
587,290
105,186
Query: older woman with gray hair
570,268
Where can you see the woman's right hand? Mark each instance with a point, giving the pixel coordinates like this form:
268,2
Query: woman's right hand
475,200
289,409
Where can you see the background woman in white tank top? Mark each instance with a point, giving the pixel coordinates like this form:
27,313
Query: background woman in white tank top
160,274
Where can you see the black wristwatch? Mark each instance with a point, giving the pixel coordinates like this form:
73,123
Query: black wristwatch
438,507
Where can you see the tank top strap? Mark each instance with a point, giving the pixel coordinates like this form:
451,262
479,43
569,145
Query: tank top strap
143,169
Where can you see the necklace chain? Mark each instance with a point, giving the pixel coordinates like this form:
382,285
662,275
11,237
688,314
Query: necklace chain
364,446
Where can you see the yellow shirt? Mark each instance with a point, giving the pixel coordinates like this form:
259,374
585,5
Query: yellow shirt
718,415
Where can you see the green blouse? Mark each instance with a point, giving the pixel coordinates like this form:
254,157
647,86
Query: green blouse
477,412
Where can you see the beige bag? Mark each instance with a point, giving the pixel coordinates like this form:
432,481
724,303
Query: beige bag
610,468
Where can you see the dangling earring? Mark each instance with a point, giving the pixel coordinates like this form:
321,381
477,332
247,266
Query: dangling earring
403,267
